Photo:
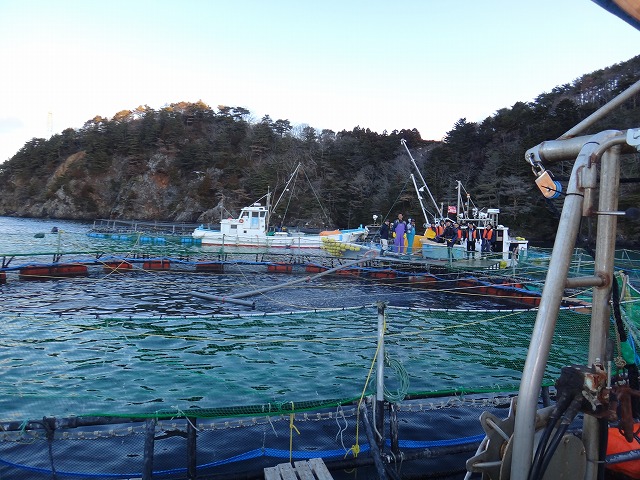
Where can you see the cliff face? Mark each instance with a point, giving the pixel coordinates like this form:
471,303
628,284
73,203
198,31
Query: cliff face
73,192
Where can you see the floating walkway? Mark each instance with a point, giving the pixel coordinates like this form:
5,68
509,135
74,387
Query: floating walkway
313,469
434,275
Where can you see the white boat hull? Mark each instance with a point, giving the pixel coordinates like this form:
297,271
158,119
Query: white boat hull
440,251
336,244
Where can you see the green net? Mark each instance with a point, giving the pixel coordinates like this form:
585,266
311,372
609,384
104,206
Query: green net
243,364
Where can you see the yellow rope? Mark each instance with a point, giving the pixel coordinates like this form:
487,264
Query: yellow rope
355,449
292,427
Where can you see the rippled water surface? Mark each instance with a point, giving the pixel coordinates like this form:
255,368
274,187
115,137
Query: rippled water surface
141,342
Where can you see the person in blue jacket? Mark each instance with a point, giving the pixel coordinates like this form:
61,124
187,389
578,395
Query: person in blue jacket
411,233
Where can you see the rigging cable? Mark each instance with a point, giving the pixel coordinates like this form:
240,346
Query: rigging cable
324,212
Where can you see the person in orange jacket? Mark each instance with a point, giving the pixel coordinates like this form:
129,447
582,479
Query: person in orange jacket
488,239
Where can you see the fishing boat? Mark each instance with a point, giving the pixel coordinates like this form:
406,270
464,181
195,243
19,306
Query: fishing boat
253,229
507,247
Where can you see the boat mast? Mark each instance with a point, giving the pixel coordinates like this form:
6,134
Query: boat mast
424,184
464,207
415,185
268,216
286,187
460,203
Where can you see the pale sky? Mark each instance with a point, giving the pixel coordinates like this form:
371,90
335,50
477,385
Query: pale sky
336,64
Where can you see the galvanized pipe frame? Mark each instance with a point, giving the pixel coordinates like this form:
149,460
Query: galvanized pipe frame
554,151
603,111
600,308
574,206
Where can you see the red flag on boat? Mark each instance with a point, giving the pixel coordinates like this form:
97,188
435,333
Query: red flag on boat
452,209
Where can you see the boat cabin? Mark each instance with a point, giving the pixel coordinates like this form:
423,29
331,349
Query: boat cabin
251,221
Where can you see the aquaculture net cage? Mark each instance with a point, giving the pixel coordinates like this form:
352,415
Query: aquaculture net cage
226,396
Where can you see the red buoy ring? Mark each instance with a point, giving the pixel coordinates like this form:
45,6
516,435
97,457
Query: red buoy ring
241,220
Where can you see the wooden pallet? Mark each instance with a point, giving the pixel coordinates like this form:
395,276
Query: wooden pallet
313,469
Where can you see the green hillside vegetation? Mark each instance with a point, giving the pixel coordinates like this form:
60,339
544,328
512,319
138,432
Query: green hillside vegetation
190,162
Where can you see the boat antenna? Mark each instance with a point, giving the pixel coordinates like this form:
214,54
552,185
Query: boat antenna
424,184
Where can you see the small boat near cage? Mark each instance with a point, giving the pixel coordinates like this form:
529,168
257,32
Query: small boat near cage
251,230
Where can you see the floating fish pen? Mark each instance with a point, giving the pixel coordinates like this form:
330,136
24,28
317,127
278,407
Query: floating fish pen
124,227
508,286
363,389
52,271
117,266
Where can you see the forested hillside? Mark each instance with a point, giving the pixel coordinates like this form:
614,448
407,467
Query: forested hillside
190,162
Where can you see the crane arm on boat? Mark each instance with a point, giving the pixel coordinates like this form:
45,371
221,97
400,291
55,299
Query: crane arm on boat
424,183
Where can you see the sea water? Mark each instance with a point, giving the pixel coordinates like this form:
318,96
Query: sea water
141,342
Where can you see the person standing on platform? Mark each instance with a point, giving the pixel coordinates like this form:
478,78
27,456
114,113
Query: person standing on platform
384,236
471,237
487,239
450,236
411,233
399,227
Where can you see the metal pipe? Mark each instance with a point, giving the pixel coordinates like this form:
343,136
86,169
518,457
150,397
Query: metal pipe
553,151
623,457
415,185
619,139
601,311
393,429
222,299
192,460
523,441
577,282
365,258
375,452
379,406
424,184
149,439
602,111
